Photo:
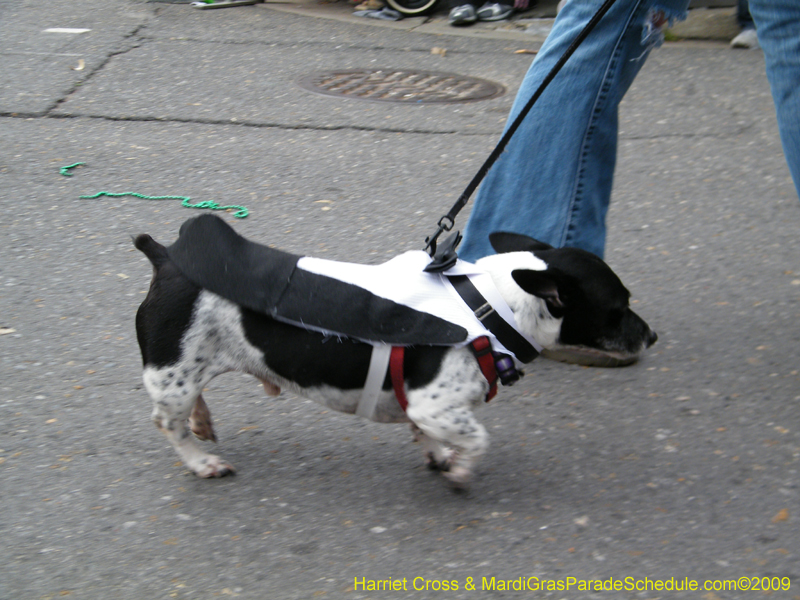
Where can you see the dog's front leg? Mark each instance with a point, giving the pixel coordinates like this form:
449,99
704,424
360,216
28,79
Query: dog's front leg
437,456
173,402
442,410
453,440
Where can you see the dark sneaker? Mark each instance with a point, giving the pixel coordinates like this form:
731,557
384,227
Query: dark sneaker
204,4
462,15
495,12
588,357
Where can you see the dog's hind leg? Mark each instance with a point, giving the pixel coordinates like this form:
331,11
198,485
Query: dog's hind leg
175,397
270,388
200,421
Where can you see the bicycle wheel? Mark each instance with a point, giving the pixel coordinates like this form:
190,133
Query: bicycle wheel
412,7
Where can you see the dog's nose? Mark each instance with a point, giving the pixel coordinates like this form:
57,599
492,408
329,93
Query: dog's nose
652,338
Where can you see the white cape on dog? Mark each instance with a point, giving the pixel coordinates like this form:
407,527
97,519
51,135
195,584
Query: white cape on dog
404,281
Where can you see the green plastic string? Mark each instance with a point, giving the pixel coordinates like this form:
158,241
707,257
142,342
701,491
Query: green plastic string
65,170
241,212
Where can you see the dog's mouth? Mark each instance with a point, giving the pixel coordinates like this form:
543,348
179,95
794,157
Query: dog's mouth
590,357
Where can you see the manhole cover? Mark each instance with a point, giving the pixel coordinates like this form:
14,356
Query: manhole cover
394,85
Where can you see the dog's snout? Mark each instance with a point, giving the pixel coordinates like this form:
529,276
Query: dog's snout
652,338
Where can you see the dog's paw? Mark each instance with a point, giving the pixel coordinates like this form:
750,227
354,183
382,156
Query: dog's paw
459,477
212,466
441,462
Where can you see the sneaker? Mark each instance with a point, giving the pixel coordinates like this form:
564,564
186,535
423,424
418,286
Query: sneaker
495,12
588,357
746,39
462,15
205,4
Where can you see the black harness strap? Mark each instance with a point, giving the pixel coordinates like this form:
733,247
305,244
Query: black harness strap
505,333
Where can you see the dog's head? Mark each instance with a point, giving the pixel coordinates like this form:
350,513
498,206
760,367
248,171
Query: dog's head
583,305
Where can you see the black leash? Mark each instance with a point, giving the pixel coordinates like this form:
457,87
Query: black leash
447,222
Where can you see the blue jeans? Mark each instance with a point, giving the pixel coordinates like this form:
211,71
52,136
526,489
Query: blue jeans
554,180
778,29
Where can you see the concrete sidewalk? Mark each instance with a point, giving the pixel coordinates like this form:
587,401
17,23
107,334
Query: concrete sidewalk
703,23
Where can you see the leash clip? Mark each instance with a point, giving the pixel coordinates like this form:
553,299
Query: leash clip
445,256
430,242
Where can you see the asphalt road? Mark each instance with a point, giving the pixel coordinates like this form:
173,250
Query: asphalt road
684,466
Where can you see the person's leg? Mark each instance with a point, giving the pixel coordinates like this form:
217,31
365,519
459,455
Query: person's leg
778,28
554,180
743,17
747,38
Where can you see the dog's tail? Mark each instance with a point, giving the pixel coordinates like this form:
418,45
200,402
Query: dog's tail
152,249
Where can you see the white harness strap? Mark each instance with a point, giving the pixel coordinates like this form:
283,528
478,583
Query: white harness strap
378,364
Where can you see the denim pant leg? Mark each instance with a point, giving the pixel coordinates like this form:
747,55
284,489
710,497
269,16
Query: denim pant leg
554,180
778,28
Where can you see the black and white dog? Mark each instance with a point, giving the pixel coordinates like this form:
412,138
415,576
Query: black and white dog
220,303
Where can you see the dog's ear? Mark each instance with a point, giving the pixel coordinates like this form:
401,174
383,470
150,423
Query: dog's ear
503,241
539,283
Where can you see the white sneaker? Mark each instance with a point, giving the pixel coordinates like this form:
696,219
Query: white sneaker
495,12
746,39
462,15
